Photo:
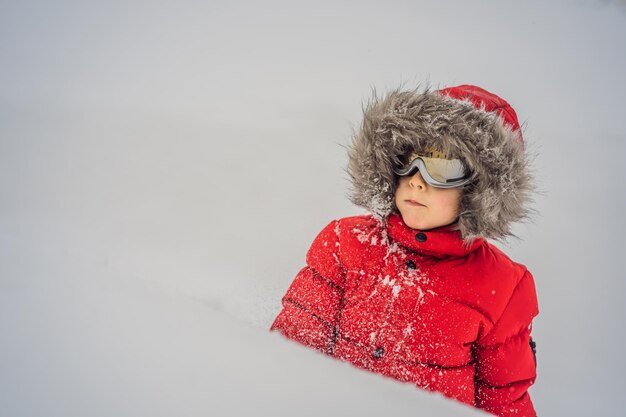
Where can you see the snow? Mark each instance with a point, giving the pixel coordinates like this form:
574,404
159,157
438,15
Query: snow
81,338
164,168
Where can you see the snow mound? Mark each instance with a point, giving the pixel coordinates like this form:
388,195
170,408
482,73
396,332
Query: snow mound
82,339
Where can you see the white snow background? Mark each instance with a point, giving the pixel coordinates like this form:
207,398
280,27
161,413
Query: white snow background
164,167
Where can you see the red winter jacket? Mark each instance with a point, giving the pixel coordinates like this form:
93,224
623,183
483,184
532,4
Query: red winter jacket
421,307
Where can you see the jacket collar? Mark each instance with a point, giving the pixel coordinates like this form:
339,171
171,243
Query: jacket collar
441,242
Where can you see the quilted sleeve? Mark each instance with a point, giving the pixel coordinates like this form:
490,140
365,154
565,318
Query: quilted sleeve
505,357
312,304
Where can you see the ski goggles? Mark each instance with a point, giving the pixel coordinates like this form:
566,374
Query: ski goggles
438,172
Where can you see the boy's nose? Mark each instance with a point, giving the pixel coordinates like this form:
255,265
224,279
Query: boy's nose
417,181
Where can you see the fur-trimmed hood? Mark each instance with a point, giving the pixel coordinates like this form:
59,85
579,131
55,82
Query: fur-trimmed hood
465,122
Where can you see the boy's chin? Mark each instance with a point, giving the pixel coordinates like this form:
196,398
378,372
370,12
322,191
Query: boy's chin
420,224
416,224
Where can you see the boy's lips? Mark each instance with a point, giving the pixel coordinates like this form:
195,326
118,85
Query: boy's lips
415,203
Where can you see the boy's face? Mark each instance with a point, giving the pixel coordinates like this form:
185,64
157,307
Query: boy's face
423,206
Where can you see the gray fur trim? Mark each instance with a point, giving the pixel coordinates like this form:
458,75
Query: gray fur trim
405,121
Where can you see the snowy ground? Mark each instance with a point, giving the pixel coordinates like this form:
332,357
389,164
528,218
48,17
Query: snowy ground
163,169
87,339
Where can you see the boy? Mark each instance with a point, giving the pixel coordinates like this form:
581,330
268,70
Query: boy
414,291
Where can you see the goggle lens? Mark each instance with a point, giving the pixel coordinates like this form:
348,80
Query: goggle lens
438,172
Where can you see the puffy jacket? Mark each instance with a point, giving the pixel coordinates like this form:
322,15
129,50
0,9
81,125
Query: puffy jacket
421,307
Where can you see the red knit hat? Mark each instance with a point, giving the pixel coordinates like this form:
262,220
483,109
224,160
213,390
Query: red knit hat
484,100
